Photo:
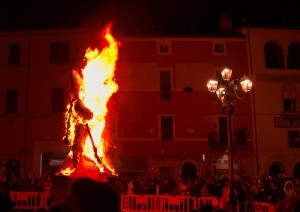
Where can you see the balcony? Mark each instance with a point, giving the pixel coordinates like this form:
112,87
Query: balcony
219,140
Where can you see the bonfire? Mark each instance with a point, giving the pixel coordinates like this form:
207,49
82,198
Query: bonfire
92,87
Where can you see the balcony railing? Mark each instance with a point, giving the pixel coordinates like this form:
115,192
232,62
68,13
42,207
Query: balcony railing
239,139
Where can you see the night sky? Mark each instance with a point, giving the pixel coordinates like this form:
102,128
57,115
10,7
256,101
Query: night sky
148,17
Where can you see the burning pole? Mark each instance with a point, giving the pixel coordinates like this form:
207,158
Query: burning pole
99,160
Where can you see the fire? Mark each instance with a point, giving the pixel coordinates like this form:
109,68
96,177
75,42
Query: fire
92,88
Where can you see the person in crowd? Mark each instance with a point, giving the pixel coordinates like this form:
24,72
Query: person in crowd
151,187
225,198
166,186
183,187
34,183
12,182
157,187
254,187
6,205
204,190
290,204
130,187
289,189
46,186
297,186
88,195
196,188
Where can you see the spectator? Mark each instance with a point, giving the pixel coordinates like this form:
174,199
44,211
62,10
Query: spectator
289,189
290,204
87,195
34,183
166,186
204,190
196,188
6,204
46,185
183,187
297,186
12,182
130,187
225,199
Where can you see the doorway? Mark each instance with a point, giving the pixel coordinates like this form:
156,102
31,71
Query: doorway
13,166
276,169
189,170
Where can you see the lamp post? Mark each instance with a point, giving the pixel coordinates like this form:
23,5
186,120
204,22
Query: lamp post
226,91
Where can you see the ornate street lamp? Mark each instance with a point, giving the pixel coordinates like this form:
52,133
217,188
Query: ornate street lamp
226,91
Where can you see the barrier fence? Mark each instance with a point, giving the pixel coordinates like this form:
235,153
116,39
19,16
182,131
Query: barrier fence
255,206
29,200
139,203
143,203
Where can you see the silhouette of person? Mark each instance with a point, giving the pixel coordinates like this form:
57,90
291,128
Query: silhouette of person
88,195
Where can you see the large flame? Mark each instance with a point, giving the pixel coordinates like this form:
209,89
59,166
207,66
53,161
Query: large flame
93,87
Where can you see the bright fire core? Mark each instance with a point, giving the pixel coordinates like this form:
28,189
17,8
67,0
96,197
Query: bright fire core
85,119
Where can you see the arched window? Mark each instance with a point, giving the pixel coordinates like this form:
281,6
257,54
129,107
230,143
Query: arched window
274,56
189,170
276,169
293,57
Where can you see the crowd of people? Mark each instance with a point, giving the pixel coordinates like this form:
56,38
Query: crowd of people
12,182
26,183
268,189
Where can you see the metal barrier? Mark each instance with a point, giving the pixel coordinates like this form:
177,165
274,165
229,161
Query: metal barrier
154,203
177,203
139,203
208,200
27,200
255,206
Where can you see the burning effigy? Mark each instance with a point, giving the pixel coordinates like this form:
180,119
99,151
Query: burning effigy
92,87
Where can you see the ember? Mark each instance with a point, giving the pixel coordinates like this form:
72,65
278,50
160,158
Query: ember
85,119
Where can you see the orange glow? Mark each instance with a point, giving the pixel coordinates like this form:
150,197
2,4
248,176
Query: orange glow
92,89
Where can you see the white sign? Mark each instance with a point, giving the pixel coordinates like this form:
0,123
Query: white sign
222,163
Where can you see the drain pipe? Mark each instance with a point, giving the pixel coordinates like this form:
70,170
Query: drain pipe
26,102
253,104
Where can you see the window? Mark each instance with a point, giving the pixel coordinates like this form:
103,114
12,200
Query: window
219,48
164,48
293,56
166,128
241,136
59,52
165,85
294,139
14,53
273,56
289,95
289,105
12,96
167,172
58,100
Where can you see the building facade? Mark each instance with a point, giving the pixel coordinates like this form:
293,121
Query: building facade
274,57
162,122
